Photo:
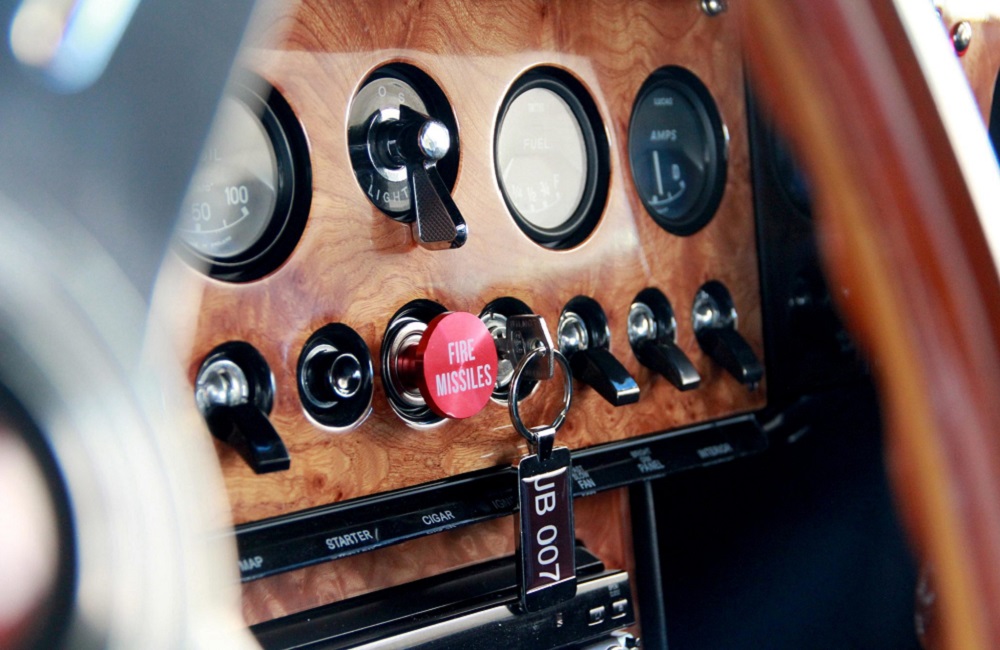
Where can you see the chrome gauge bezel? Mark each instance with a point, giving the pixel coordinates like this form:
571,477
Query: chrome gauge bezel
591,205
293,191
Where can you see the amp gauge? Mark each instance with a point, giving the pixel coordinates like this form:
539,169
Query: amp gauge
249,198
677,149
551,158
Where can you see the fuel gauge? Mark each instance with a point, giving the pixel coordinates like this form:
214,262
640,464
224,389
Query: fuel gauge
677,150
551,158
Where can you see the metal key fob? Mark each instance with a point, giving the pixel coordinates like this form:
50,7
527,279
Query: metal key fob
545,534
546,539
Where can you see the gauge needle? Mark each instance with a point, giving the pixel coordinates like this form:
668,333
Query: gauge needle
506,170
659,176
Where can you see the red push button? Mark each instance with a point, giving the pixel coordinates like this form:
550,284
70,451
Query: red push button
454,366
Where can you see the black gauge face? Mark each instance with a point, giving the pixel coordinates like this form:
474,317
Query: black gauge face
248,200
677,150
551,160
378,102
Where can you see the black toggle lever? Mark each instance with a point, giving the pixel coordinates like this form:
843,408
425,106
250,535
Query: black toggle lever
245,428
599,369
235,392
418,142
584,338
652,332
714,318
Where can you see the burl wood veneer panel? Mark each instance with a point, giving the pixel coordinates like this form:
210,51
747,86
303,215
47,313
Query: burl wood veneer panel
356,266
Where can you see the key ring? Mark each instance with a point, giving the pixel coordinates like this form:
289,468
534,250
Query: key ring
540,438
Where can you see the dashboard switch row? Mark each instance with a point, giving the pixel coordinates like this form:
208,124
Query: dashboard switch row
439,364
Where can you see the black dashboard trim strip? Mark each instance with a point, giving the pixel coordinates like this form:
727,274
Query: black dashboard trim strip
317,535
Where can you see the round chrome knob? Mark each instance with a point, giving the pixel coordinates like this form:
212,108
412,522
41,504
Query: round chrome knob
434,140
335,377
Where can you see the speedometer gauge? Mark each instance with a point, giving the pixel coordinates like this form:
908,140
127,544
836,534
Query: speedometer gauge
247,202
551,158
233,195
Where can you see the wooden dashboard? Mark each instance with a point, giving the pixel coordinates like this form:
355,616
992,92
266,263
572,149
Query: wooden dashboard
353,265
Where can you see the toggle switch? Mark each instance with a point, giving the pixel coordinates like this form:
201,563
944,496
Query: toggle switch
584,338
715,320
437,364
399,129
335,377
234,391
416,143
652,332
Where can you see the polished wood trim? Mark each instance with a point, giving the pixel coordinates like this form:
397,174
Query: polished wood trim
906,247
354,265
323,584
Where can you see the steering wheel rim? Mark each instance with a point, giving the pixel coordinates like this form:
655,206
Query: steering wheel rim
152,565
880,114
